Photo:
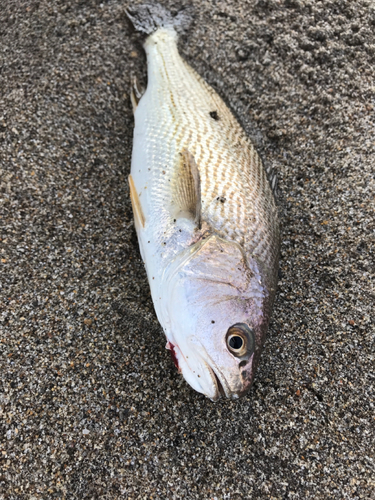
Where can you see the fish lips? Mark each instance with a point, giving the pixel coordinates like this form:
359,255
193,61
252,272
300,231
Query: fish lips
196,371
237,383
223,386
204,376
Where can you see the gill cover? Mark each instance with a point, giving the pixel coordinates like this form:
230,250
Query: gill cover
221,267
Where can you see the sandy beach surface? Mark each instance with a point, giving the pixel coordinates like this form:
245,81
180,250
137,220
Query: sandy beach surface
91,404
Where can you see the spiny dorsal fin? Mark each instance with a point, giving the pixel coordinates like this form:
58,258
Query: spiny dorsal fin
187,192
136,93
272,179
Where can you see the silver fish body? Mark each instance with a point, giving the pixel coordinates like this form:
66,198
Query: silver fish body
206,221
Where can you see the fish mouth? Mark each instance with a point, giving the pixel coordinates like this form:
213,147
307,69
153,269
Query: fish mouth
213,384
219,386
222,386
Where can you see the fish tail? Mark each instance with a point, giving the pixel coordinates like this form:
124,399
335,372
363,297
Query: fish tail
148,18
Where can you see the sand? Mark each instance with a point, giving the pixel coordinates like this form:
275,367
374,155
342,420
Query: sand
92,406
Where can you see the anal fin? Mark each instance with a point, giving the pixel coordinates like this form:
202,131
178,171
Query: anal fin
139,217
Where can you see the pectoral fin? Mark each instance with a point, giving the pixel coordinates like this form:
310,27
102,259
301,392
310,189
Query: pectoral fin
139,217
187,189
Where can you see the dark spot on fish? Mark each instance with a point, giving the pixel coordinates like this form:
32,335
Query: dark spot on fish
173,354
212,321
214,115
174,220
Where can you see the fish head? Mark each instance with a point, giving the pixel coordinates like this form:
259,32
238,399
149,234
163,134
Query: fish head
216,308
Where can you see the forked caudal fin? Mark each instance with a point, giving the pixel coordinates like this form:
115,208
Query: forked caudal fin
147,18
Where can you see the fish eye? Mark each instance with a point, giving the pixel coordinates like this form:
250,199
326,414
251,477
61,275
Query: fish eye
235,342
240,340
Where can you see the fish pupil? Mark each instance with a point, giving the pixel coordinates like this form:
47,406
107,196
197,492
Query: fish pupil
236,342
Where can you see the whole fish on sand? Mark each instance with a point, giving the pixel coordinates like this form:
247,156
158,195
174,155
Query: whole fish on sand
205,216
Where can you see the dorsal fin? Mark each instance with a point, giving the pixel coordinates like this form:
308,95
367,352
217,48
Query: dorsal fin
136,93
187,189
272,179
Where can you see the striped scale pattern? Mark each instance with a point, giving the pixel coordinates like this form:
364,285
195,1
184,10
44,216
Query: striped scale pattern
185,112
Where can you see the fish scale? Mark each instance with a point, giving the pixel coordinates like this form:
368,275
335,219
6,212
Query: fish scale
206,219
178,88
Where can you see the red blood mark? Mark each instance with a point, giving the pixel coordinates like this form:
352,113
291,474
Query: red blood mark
174,357
171,347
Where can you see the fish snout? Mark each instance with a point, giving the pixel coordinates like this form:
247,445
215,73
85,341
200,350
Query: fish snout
220,380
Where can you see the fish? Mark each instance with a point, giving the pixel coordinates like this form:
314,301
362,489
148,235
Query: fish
205,215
